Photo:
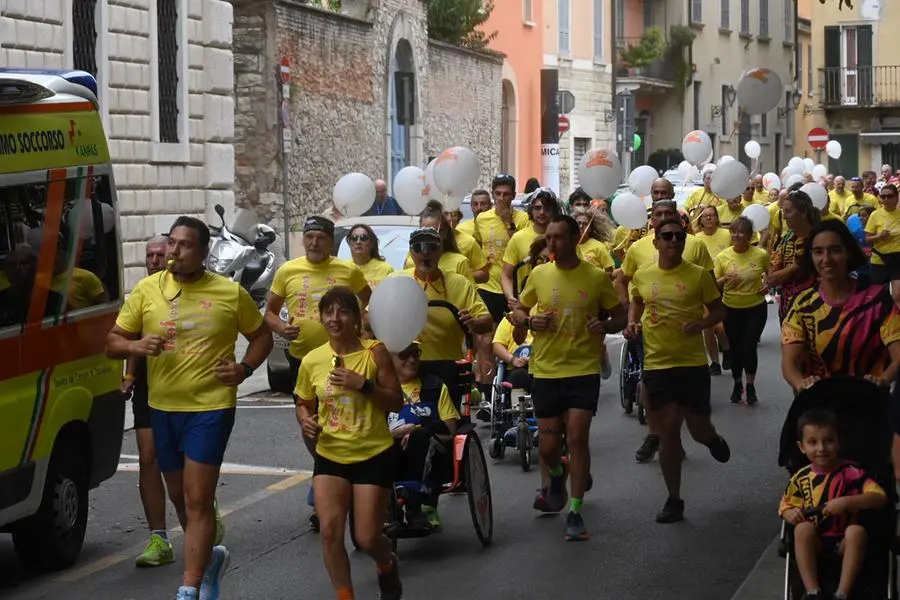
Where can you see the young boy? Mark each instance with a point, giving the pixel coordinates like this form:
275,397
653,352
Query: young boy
840,489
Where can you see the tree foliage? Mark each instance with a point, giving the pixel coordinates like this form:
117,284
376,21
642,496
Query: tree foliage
459,22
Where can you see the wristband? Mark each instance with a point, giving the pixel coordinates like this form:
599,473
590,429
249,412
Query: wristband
248,370
367,386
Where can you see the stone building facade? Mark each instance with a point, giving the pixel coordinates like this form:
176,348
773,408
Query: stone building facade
165,73
342,111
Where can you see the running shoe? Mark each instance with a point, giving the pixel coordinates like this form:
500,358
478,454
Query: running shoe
389,583
719,450
215,571
575,529
737,393
648,449
220,525
672,512
431,513
157,553
314,521
715,369
186,593
752,398
549,502
726,360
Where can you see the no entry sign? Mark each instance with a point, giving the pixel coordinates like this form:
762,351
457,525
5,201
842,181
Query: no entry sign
817,138
285,70
563,123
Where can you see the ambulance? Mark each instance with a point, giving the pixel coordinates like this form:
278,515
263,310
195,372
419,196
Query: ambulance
61,412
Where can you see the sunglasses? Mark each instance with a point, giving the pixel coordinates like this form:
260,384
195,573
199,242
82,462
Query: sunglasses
363,237
673,235
887,196
424,247
408,354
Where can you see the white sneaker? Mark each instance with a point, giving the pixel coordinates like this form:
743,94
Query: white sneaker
215,571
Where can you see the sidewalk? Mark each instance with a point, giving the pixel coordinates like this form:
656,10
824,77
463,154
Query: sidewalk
766,580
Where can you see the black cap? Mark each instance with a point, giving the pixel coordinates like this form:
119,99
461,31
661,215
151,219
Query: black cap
503,179
425,234
319,224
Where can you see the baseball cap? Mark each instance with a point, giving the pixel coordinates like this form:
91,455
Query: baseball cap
425,234
319,224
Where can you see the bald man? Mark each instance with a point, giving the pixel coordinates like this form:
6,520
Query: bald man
760,193
384,205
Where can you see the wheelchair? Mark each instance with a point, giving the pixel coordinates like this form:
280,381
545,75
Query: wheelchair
512,426
469,468
863,411
631,366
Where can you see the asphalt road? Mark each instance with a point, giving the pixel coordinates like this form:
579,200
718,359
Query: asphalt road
730,520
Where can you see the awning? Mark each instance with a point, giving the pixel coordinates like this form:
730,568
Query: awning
880,137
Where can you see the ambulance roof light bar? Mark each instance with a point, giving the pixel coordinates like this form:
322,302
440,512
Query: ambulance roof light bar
31,85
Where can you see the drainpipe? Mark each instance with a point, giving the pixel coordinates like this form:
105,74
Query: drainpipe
614,59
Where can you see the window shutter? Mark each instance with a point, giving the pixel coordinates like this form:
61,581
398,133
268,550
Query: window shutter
864,64
580,147
831,80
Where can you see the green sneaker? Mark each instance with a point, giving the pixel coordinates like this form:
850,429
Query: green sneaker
157,553
431,513
220,526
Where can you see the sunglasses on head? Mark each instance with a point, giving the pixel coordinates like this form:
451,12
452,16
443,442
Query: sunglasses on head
424,247
673,235
409,353
360,237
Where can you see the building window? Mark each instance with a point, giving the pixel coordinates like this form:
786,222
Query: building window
528,11
764,125
725,14
580,147
789,117
696,105
764,18
565,46
800,69
620,20
809,70
84,35
696,11
598,30
745,16
648,15
789,24
169,69
725,121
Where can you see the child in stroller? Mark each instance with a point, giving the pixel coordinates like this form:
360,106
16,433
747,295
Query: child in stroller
836,530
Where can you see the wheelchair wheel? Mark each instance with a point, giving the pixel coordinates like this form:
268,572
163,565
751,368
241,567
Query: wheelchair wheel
625,395
496,449
525,442
392,517
478,489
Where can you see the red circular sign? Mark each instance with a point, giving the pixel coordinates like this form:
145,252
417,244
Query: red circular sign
817,138
563,123
285,70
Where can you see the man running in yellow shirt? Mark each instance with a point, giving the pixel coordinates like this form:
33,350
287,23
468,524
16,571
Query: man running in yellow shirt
189,319
569,305
668,300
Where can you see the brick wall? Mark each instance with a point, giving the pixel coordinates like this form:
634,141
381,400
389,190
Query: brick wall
153,187
464,103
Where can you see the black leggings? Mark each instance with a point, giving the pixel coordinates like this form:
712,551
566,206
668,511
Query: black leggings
744,326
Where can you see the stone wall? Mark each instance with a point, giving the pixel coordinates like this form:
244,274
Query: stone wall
154,184
464,104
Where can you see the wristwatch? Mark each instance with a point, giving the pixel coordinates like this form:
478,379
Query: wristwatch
248,370
528,323
367,386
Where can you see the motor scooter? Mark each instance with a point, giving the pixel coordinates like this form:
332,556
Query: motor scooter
241,253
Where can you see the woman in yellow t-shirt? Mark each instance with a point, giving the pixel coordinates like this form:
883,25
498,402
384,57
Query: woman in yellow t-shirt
741,275
596,238
345,390
716,239
452,260
364,250
883,233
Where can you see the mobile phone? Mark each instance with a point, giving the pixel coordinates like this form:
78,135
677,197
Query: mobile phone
337,362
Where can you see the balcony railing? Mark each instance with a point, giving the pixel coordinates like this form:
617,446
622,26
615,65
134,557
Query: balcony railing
872,87
662,68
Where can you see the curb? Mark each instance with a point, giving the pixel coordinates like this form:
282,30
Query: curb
766,580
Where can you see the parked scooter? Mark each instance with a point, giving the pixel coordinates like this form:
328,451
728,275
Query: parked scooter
241,253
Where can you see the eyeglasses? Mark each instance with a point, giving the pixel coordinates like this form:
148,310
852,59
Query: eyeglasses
363,237
424,247
408,354
672,235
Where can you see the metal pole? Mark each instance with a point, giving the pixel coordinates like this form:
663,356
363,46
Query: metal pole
286,148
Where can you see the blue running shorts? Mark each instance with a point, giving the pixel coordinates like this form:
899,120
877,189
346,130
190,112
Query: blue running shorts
200,436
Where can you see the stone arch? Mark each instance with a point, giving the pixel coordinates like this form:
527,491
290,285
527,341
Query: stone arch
401,52
509,137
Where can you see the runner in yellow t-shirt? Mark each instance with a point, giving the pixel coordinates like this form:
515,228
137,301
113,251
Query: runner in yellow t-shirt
883,233
479,202
570,306
838,195
716,239
345,389
364,250
595,240
543,207
189,320
452,260
760,193
701,198
668,301
741,274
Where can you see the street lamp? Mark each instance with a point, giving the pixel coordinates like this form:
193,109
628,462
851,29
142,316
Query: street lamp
730,95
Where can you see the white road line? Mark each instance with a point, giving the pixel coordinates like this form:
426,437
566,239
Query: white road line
227,468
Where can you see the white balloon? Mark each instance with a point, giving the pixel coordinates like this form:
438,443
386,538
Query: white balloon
456,171
430,186
796,164
398,310
708,168
724,159
793,179
752,149
109,217
600,173
758,215
819,171
833,149
808,165
409,190
629,211
771,181
354,194
453,203
759,91
697,147
641,179
709,157
692,175
729,180
817,194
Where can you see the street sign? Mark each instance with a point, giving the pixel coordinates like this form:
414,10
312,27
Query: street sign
285,70
286,113
563,123
817,138
566,101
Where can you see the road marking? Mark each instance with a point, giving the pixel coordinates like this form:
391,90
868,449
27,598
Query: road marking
227,468
258,406
176,532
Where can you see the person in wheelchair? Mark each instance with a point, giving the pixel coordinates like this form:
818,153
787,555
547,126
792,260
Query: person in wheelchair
822,502
422,430
512,345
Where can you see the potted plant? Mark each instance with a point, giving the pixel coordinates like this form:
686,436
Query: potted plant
637,56
681,37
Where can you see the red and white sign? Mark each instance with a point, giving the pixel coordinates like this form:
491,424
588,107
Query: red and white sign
563,123
285,70
817,138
